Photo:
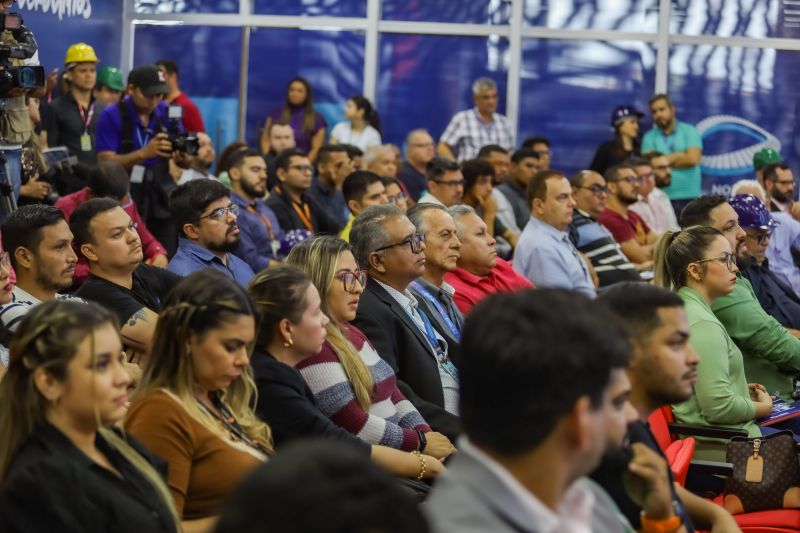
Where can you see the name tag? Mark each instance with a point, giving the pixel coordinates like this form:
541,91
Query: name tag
137,174
86,143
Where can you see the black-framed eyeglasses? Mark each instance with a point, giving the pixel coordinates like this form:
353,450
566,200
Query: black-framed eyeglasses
761,236
415,242
451,183
727,258
596,189
302,168
629,179
220,212
349,278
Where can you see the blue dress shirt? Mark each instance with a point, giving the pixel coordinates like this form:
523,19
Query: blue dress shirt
783,246
255,245
192,257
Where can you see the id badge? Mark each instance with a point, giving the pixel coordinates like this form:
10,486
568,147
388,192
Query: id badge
137,174
86,142
276,246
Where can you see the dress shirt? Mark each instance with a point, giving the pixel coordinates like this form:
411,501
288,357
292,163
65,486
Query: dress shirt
467,133
662,208
428,198
443,295
547,257
783,246
775,297
471,288
259,233
505,212
192,257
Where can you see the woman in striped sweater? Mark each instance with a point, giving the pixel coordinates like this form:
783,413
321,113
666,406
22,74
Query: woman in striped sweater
352,385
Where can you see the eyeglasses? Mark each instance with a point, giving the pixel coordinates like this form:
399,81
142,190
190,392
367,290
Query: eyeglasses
395,198
630,179
648,175
349,279
762,237
5,261
727,259
597,190
422,145
302,168
415,241
220,212
451,183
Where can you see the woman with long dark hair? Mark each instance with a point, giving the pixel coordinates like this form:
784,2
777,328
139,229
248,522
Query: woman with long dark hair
298,111
625,121
361,126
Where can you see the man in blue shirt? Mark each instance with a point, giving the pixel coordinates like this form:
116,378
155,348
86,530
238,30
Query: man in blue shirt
260,234
207,221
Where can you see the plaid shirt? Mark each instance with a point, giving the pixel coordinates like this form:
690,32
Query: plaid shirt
467,133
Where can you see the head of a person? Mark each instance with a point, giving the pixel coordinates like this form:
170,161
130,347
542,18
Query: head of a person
749,187
147,87
333,163
170,70
661,169
382,160
388,245
299,94
356,156
80,65
223,163
699,257
109,179
395,193
294,170
484,95
281,137
779,182
715,211
663,368
341,491
445,180
359,107
764,157
442,246
205,214
362,189
757,223
623,183
644,173
290,311
106,236
39,243
420,148
574,418
477,255
5,5
248,174
499,158
524,164
109,86
662,110
589,191
540,145
6,282
625,121
550,197
203,160
478,178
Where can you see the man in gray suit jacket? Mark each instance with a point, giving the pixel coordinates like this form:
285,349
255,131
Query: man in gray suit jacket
543,395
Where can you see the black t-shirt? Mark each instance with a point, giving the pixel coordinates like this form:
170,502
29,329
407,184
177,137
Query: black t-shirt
610,474
65,125
150,287
609,154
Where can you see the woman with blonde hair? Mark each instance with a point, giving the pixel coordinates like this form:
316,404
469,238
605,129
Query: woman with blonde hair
193,404
62,467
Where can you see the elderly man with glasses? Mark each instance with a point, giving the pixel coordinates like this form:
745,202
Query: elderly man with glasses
390,248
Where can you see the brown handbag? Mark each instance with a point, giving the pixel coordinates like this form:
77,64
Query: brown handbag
766,473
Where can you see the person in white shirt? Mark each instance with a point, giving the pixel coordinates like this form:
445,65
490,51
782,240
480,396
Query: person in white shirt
361,127
656,215
657,198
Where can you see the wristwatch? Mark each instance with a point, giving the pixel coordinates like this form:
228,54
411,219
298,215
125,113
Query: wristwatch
665,525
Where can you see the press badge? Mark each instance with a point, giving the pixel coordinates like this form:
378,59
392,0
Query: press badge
137,174
86,143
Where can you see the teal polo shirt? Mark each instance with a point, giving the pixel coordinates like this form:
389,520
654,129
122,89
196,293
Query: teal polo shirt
686,182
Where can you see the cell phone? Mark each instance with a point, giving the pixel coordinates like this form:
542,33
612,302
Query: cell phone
175,112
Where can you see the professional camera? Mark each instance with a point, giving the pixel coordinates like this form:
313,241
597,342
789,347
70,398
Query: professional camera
185,142
12,76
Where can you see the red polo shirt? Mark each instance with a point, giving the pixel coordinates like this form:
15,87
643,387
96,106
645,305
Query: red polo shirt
192,119
470,289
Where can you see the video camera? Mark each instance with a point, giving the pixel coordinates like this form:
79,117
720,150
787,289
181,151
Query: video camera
12,76
185,142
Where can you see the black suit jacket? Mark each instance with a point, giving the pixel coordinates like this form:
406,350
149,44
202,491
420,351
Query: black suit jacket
401,344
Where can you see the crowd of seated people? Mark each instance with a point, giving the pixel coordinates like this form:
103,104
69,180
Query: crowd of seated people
172,332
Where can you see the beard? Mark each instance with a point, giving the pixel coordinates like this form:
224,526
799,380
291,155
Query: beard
47,282
228,245
251,189
781,197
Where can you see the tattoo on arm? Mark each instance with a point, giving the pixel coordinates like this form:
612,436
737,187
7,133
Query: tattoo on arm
137,316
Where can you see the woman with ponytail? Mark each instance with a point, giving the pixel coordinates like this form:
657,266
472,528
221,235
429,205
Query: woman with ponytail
699,264
362,126
62,466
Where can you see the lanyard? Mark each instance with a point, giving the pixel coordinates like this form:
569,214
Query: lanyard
304,213
142,141
86,116
441,355
669,141
230,423
422,291
264,220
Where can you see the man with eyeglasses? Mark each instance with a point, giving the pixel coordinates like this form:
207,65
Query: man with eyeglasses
524,164
333,166
391,249
362,189
658,199
209,233
590,237
632,233
445,183
290,201
647,210
420,149
779,184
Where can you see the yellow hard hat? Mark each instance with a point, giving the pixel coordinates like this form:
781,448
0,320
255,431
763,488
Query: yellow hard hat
80,53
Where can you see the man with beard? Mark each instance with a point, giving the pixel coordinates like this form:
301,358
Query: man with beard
207,221
39,243
661,372
629,230
658,198
260,233
779,184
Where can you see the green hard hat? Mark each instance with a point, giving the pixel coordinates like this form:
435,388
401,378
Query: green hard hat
111,77
766,156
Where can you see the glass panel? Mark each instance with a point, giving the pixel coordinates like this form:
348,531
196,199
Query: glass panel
312,8
741,99
474,12
424,80
569,89
186,6
331,60
754,18
621,15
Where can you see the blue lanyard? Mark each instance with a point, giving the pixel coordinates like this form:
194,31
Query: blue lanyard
454,329
142,142
441,355
669,141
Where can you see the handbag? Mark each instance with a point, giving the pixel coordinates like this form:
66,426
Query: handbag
766,473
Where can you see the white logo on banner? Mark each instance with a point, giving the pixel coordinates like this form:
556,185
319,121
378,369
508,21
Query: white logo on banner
62,8
738,161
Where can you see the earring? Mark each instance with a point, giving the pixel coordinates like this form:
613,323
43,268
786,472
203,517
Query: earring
288,343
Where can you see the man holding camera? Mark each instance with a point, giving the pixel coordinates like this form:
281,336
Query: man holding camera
139,134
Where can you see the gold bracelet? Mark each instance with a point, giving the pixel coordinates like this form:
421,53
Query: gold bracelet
422,466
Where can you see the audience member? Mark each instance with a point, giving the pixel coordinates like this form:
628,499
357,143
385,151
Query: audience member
658,199
625,123
295,209
193,406
469,130
64,392
591,238
540,145
420,149
209,233
657,221
445,183
192,118
396,194
499,158
361,189
479,272
356,156
779,184
333,166
223,162
298,110
199,164
6,297
545,255
762,158
281,137
387,244
292,327
260,233
382,161
524,164
361,127
109,86
479,194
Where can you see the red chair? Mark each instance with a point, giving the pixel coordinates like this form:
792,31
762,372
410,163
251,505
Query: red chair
679,452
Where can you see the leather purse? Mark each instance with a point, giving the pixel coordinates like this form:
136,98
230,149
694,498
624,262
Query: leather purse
766,473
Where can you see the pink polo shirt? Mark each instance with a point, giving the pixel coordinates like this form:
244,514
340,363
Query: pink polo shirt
470,289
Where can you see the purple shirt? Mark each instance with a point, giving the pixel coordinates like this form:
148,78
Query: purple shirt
301,137
109,128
